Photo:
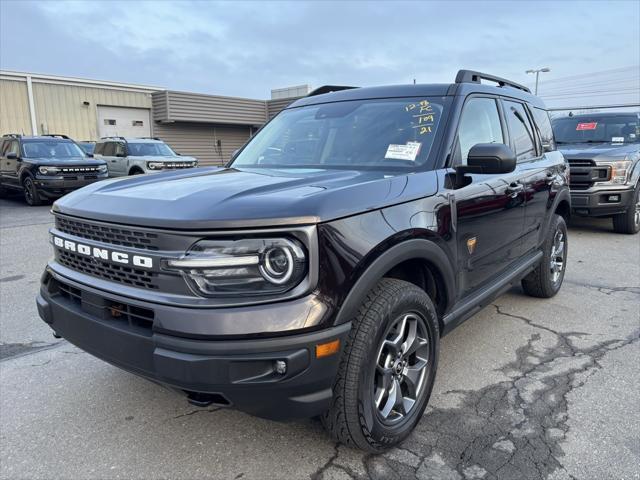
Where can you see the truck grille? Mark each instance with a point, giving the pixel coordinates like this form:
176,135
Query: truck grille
584,173
126,275
108,234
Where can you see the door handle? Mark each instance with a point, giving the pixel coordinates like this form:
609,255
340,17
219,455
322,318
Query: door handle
514,189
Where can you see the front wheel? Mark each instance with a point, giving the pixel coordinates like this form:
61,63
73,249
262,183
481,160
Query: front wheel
387,369
629,222
546,279
31,194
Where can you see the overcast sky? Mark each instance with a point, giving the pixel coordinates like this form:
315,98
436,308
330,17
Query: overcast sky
245,49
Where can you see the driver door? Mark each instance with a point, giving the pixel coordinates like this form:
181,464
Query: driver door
491,208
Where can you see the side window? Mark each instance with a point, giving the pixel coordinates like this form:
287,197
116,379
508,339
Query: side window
520,131
99,148
3,144
109,149
120,149
479,123
12,147
543,122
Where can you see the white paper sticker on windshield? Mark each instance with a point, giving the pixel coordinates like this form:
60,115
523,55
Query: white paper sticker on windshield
617,139
403,152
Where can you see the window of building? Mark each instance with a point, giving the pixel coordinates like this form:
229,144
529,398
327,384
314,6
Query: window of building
137,123
109,121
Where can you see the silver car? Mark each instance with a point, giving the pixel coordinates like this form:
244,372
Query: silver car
132,156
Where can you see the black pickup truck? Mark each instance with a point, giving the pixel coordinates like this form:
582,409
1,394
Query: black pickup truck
603,151
316,273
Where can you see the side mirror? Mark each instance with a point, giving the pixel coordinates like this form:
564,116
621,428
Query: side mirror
90,155
120,154
12,156
487,158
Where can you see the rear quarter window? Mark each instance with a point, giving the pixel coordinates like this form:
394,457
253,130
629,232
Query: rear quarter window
541,117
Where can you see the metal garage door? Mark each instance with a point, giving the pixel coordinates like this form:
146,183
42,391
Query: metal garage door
123,121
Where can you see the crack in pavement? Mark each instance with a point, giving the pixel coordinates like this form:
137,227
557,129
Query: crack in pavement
512,429
606,289
194,412
14,350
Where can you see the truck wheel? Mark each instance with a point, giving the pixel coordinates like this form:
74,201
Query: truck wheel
136,171
629,222
31,194
546,279
387,369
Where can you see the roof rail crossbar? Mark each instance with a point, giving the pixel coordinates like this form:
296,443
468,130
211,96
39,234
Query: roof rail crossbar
469,76
55,135
112,136
149,138
12,135
329,89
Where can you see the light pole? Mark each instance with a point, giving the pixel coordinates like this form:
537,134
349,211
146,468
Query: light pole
537,72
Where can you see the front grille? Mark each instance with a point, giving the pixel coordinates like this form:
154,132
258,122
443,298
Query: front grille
78,170
126,275
137,318
584,173
108,234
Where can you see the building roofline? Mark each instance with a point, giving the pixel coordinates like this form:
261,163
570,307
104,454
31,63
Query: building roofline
58,79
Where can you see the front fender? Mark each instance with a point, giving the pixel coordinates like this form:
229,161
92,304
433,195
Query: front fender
421,249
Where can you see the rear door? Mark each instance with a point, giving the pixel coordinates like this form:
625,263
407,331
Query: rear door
490,210
537,169
10,166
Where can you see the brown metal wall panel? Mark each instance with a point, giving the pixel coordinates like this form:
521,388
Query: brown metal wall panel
274,106
200,140
14,107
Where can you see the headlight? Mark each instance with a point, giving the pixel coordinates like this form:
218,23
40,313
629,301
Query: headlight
155,165
102,169
250,266
48,170
620,171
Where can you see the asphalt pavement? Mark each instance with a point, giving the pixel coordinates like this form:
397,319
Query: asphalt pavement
526,389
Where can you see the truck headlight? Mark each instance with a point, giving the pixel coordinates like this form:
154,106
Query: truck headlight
155,165
241,267
49,170
102,169
620,171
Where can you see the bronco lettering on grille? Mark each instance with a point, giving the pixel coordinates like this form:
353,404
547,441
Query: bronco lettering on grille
103,253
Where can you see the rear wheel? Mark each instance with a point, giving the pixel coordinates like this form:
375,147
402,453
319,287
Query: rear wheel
387,369
31,194
629,222
546,279
136,171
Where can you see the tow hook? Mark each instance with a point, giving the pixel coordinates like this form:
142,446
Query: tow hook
198,399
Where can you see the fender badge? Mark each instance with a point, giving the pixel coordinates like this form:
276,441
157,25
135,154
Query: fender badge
471,245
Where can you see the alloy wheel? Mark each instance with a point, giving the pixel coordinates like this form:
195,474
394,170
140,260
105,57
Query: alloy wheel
557,256
28,191
401,368
636,214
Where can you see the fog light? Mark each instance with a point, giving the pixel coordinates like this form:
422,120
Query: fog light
281,367
613,198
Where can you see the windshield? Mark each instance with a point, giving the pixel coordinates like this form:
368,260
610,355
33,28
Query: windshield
148,149
597,128
379,133
51,149
87,147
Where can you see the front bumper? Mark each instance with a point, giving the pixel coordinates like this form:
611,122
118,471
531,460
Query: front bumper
57,187
239,372
601,202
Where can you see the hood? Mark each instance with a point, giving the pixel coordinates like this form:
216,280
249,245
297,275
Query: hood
67,162
210,198
597,151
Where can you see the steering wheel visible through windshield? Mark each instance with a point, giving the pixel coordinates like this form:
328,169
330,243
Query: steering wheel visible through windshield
377,133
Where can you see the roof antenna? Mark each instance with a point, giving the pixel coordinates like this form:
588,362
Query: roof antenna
414,81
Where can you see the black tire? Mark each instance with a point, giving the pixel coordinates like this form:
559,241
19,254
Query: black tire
542,282
31,194
3,192
354,417
629,222
136,171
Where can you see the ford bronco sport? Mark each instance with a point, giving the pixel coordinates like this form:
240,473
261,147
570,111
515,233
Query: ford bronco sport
603,151
45,166
133,156
316,273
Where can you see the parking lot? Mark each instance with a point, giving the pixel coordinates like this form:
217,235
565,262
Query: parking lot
526,389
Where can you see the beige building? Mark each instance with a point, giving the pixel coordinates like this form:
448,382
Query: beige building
209,127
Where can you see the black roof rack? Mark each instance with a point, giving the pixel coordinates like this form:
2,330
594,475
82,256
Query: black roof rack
55,135
469,76
113,136
328,89
150,138
13,135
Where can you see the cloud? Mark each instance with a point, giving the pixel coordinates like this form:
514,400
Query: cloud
247,48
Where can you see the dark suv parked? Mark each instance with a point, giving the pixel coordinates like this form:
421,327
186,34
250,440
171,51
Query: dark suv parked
45,166
316,273
603,151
